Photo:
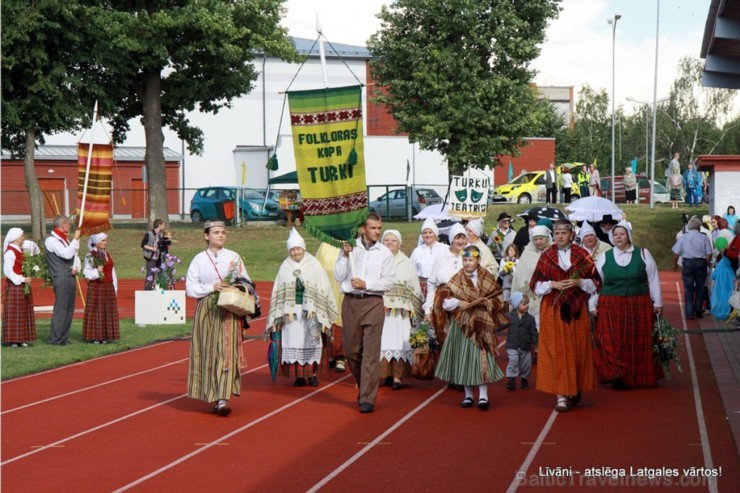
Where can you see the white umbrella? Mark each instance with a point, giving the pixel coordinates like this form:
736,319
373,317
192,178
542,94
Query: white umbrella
438,212
593,209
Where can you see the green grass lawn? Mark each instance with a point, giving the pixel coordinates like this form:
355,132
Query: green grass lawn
41,355
263,248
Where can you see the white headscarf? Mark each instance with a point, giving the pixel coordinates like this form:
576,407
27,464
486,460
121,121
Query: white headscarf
95,239
13,234
476,227
539,230
456,229
430,224
393,232
586,229
295,240
621,224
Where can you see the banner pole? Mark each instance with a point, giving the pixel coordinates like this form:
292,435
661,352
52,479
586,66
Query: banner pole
89,160
322,56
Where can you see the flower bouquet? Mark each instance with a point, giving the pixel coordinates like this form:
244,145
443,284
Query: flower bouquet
426,351
35,266
509,267
666,341
98,258
165,275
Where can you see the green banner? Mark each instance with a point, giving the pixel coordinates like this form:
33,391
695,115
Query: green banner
330,163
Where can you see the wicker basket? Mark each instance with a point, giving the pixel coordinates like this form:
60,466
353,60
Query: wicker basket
236,301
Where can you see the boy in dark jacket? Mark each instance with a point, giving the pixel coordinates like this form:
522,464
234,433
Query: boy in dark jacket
520,340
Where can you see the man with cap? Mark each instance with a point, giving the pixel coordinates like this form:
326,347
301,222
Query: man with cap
64,264
522,237
474,231
364,279
19,323
565,277
604,226
502,236
541,239
425,255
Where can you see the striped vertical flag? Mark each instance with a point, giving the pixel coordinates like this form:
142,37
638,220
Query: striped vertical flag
96,211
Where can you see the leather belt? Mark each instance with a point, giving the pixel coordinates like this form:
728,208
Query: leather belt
361,296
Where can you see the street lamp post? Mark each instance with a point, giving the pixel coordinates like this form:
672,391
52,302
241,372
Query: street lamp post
647,136
655,104
613,22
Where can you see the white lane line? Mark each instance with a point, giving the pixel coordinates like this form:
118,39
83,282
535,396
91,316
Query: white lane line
38,448
84,389
375,442
227,436
131,375
86,362
522,472
705,447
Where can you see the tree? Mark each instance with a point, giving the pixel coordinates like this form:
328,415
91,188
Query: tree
590,139
696,113
457,73
47,82
166,59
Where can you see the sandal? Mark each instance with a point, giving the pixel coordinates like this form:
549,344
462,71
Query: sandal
467,402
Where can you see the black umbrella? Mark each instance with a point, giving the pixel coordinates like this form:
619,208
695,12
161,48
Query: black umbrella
550,213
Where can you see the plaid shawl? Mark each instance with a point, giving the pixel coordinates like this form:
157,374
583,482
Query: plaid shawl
571,301
486,311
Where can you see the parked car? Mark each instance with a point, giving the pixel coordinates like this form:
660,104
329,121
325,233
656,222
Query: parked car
662,194
207,201
527,188
394,203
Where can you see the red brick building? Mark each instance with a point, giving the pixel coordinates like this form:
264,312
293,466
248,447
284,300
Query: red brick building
56,170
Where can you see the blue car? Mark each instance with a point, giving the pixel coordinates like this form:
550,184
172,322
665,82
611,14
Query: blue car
207,203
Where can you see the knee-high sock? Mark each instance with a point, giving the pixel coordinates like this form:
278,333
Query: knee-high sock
483,392
468,391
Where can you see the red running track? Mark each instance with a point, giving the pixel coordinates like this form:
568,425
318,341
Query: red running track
122,423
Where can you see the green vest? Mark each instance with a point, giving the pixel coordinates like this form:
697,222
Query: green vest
583,178
630,280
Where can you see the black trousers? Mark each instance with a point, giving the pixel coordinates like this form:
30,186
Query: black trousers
552,195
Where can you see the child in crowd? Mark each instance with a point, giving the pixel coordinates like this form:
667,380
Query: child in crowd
506,268
521,339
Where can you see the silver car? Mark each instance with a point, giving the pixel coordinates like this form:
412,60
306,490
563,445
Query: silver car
394,203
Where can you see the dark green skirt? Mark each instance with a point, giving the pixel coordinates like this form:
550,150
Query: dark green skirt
462,362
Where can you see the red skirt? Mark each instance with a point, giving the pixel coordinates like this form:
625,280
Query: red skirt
623,341
101,313
19,324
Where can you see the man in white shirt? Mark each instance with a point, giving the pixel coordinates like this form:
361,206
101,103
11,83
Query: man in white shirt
64,264
365,273
551,185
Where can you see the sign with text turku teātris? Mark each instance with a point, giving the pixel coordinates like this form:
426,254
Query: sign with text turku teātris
468,196
330,163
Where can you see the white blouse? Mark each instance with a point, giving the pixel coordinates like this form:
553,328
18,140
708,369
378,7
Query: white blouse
9,262
445,267
542,288
423,257
202,272
91,272
624,257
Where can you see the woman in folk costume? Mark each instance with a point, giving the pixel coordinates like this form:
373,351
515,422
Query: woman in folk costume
100,323
476,309
565,276
629,300
216,355
589,241
402,309
302,308
541,239
425,255
474,230
446,266
19,324
327,255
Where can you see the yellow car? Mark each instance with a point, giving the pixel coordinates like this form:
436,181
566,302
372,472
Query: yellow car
527,188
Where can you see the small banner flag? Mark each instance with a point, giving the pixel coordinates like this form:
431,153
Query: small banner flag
408,170
330,161
96,211
633,163
511,172
468,197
